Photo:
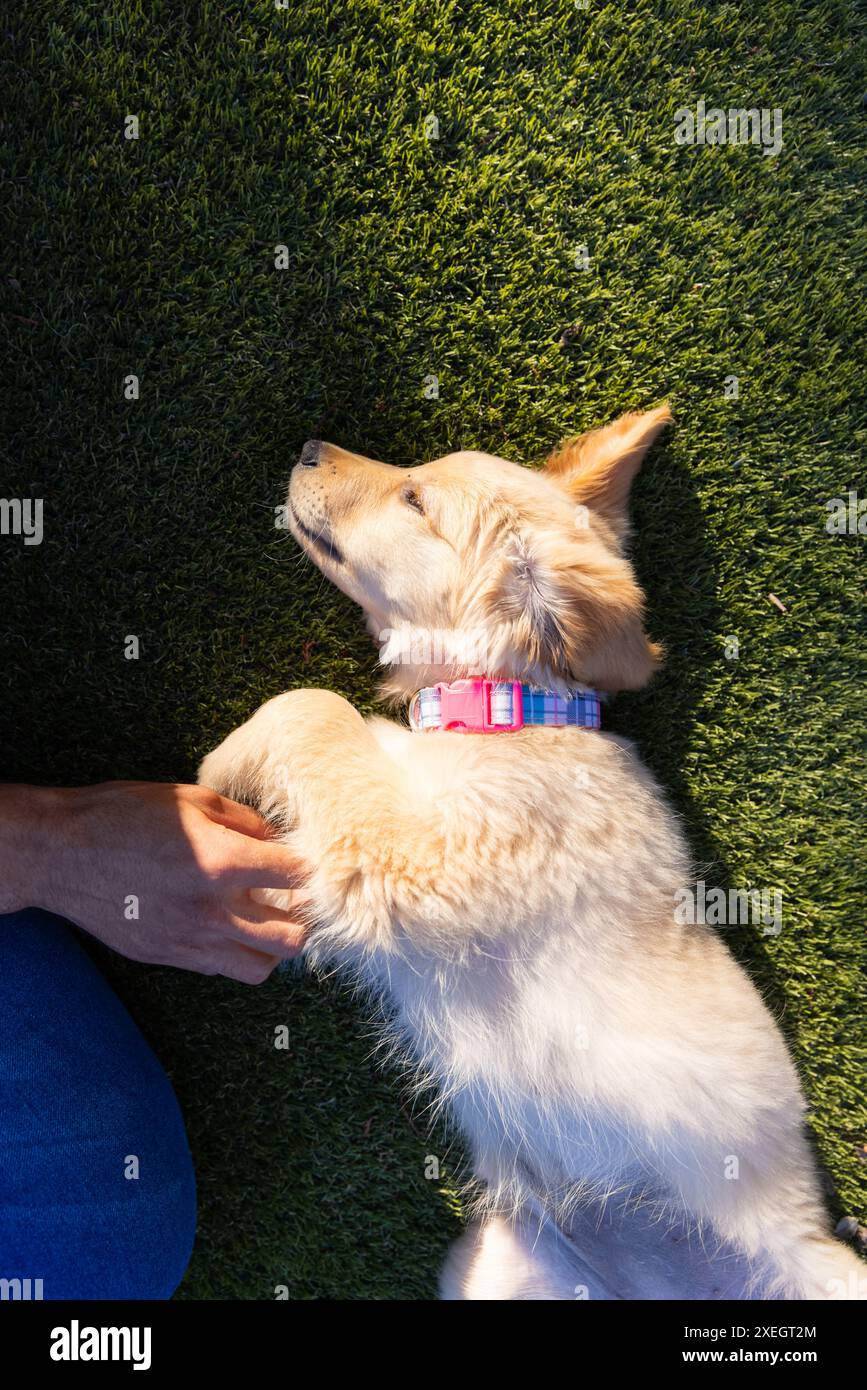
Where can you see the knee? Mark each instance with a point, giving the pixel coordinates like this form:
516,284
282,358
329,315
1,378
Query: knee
107,1214
97,1190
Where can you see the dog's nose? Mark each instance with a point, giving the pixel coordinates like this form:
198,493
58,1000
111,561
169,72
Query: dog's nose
310,453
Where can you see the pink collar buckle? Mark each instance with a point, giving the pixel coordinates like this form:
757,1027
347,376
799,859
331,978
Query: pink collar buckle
473,706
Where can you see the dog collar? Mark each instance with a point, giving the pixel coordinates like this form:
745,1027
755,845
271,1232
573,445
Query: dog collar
500,707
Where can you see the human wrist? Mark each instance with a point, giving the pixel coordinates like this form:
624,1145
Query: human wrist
29,821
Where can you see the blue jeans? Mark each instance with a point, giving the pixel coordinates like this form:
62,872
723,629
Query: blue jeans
97,1192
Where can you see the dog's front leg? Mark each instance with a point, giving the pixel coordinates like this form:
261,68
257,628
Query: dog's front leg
308,763
259,763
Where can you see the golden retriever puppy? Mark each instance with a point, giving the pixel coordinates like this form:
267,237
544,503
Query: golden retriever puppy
504,875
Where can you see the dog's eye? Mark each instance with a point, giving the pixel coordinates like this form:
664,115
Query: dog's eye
412,499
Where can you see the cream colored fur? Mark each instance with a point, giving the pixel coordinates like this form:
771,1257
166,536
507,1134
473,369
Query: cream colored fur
511,897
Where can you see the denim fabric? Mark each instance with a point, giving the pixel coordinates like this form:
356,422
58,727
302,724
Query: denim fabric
82,1096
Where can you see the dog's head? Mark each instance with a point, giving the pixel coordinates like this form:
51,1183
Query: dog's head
472,565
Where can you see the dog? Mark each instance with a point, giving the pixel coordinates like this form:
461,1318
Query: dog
502,875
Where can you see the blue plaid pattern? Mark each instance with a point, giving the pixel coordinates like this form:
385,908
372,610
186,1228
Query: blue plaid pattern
582,710
545,707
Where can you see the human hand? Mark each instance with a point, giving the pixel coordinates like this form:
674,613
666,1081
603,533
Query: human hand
182,857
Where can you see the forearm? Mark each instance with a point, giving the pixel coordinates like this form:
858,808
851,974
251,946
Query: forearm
25,816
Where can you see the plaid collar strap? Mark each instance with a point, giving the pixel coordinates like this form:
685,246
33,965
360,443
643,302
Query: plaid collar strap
496,707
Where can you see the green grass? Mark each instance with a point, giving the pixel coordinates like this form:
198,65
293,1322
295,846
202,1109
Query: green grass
408,257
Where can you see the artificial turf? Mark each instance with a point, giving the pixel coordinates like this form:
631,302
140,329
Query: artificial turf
408,257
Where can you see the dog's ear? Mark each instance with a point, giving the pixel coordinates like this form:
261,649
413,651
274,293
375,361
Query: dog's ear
571,610
597,468
622,657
